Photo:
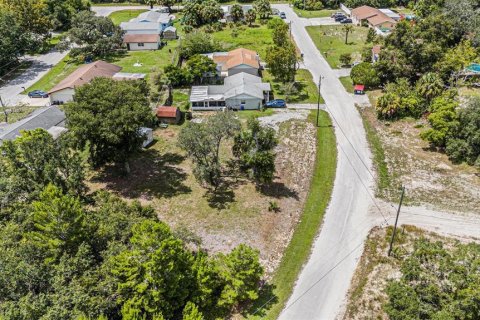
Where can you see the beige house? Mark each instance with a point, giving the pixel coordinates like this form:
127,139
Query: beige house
373,17
236,61
64,91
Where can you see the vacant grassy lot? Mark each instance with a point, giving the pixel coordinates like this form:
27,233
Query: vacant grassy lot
314,13
330,41
347,83
306,90
298,250
402,157
257,38
125,15
162,177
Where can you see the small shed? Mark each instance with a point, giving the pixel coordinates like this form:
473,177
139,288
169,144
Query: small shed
170,33
147,133
359,89
170,115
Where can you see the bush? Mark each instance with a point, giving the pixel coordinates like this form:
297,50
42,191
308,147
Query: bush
364,73
346,59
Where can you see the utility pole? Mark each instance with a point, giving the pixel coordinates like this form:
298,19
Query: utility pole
396,221
4,108
290,24
319,95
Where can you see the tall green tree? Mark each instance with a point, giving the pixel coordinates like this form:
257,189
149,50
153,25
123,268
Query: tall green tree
347,28
34,160
250,17
280,34
59,222
282,62
202,142
236,12
200,67
263,9
254,148
92,36
105,118
14,41
430,86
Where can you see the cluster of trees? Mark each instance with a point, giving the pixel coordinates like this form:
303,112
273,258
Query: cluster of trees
71,254
455,129
315,4
282,59
26,25
436,283
92,36
252,149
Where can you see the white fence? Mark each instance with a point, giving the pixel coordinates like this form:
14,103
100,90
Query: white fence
345,9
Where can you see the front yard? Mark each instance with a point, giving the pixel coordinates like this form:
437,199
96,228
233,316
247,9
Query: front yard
314,13
330,41
125,15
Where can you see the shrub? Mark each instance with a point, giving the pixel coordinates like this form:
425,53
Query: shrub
364,73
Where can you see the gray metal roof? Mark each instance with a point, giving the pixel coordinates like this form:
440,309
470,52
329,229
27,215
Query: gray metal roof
152,16
44,118
140,26
240,83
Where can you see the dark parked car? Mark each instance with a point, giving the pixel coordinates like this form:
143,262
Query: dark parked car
340,18
337,14
38,94
347,20
283,15
277,103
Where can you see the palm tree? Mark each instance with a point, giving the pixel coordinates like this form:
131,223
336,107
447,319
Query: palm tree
347,28
430,86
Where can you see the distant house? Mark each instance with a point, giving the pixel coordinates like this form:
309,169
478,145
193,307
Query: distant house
136,42
149,22
227,9
129,76
64,91
374,18
170,115
50,118
236,61
170,33
395,16
376,53
242,91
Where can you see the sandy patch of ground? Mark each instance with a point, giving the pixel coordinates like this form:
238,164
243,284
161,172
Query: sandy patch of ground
162,177
430,178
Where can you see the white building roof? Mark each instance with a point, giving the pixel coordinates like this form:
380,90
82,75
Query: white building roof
390,14
140,26
128,76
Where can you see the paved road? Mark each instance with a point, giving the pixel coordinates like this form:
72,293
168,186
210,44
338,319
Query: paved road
11,91
325,279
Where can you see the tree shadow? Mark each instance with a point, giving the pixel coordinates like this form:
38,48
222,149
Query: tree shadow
277,190
220,199
152,174
266,299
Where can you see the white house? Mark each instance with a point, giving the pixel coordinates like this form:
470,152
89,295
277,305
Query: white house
241,91
137,42
149,22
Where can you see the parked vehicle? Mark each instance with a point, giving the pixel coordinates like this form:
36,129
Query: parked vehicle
337,14
340,18
37,94
277,103
347,20
283,15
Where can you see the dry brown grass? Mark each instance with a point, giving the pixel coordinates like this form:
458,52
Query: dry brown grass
162,177
428,175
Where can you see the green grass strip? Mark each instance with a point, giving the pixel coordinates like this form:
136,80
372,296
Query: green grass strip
298,251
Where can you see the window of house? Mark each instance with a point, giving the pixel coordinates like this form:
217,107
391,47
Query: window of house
141,44
242,102
197,104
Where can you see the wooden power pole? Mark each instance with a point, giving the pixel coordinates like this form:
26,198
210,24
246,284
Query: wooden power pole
396,221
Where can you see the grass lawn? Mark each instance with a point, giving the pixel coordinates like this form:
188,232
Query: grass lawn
330,41
55,75
298,250
307,89
257,38
347,83
125,15
314,13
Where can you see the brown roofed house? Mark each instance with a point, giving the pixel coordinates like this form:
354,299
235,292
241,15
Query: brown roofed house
373,17
237,61
136,42
64,91
170,115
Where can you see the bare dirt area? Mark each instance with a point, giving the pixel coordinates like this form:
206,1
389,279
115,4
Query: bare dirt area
162,177
366,297
430,178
